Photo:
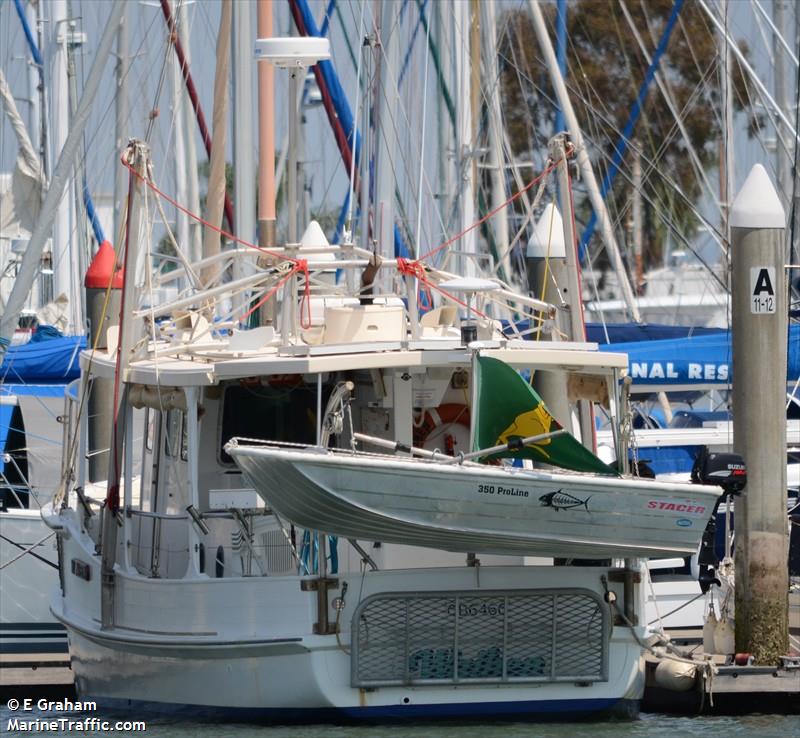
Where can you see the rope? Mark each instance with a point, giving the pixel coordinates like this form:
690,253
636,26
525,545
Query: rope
415,268
299,265
201,220
550,167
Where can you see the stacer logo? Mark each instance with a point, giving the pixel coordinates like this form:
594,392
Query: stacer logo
678,507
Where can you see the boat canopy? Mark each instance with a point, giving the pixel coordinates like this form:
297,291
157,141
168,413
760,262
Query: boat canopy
692,362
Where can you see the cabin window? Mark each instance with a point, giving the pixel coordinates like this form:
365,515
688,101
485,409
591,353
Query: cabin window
285,411
150,419
173,435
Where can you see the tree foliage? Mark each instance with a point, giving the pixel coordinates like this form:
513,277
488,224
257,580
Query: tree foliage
606,68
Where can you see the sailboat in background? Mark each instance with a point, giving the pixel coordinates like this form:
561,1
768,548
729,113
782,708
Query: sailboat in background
37,360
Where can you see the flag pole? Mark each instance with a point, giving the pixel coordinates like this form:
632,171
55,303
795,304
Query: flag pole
514,445
473,385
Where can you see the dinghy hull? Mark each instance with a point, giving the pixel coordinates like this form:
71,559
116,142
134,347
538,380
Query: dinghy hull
497,510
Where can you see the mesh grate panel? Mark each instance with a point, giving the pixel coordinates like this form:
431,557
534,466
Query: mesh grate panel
381,632
579,626
531,636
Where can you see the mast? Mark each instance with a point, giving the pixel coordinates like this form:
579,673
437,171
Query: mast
244,170
35,87
444,124
181,184
728,175
65,278
583,160
29,266
561,55
386,129
195,245
783,163
637,217
216,176
78,261
266,135
129,334
267,236
561,151
464,142
495,119
122,111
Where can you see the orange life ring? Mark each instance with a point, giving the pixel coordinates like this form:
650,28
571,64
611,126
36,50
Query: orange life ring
437,417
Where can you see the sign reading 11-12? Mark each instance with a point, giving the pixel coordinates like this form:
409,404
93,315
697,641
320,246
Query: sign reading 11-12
762,290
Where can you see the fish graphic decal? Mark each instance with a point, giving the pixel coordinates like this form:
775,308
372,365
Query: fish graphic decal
559,500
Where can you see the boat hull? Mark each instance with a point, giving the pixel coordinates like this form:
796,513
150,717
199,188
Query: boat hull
497,510
246,648
26,582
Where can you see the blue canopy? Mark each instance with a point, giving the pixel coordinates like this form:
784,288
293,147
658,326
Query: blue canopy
52,360
43,367
694,361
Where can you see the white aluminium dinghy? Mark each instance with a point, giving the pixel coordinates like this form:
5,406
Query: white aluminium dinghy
473,507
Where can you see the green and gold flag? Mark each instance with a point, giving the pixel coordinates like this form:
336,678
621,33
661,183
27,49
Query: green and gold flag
509,409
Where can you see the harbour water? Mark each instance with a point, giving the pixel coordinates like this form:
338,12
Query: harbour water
647,726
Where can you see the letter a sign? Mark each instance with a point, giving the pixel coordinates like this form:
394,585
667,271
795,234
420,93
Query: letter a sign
762,290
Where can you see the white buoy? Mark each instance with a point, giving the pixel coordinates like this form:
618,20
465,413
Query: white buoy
676,676
709,627
724,638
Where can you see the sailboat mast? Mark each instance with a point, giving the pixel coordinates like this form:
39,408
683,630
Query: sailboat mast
464,145
121,111
728,178
181,184
571,291
386,130
783,162
30,261
266,135
216,176
129,334
583,160
244,171
80,241
65,278
195,248
243,139
495,121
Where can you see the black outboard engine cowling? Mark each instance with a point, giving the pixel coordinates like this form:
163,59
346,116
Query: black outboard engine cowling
729,472
724,470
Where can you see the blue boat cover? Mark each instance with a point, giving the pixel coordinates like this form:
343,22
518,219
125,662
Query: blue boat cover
52,360
693,360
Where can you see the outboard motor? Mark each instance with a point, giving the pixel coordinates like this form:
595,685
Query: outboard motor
729,472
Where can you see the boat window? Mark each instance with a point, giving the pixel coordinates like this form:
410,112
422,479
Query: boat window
149,423
172,437
284,411
184,438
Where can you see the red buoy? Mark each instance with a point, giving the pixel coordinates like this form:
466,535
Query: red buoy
101,270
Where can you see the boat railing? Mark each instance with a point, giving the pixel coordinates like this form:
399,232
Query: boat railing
233,543
70,423
159,543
